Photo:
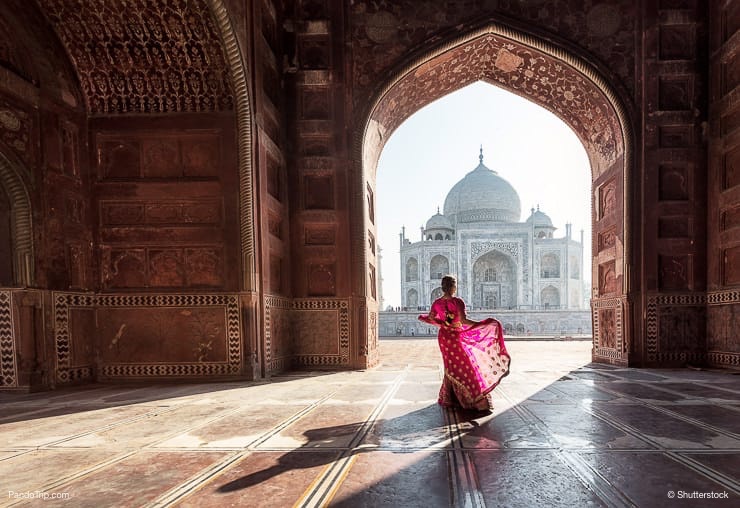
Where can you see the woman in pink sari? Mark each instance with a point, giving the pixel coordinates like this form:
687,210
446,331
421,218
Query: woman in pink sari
473,352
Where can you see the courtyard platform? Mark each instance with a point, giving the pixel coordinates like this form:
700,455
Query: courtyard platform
564,432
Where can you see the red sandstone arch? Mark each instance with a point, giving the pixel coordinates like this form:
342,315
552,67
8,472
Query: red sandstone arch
557,80
21,226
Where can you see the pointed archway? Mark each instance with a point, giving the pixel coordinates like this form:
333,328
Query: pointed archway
19,223
556,79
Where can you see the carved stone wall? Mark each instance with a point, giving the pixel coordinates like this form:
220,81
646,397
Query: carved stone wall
152,336
723,227
270,104
165,205
8,346
308,333
151,57
673,97
156,165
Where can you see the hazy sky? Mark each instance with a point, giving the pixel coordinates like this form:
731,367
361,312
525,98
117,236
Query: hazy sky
525,144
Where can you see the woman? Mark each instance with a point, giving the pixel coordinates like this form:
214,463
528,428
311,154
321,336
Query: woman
473,352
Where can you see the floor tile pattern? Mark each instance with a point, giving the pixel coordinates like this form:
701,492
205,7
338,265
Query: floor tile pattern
564,432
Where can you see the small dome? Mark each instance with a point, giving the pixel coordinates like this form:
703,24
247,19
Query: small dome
540,219
439,221
482,195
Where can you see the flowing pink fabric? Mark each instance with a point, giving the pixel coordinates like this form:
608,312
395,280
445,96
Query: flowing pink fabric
475,357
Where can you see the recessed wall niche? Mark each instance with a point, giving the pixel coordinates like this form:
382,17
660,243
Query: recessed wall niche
318,192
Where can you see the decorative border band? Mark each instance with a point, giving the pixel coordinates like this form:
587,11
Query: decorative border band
722,297
618,353
342,306
723,359
64,302
8,365
653,303
274,302
308,304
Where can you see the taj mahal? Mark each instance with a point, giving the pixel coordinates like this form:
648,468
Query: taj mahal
519,270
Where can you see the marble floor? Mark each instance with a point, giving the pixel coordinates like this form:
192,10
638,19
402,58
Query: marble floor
564,432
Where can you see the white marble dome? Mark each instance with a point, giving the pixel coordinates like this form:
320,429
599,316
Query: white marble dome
439,221
540,219
482,196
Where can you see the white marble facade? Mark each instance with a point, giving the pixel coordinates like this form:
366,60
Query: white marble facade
499,262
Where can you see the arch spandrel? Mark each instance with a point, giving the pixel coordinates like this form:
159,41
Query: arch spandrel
545,79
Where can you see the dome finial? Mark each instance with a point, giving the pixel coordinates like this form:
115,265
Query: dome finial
480,157
437,210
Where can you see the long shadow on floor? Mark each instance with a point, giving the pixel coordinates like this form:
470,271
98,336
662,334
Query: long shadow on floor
421,429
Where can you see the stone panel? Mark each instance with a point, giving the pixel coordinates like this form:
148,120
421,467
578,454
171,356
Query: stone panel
314,9
730,218
70,149
278,339
82,338
315,105
166,335
731,167
676,136
675,93
677,42
276,273
160,158
723,323
314,52
158,155
673,184
607,239
275,225
316,332
322,332
682,331
16,130
673,227
324,234
731,266
120,159
315,146
676,330
674,272
318,192
201,266
321,279
730,73
607,328
608,281
607,199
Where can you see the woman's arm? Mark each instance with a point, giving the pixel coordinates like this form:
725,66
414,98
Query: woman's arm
431,318
464,316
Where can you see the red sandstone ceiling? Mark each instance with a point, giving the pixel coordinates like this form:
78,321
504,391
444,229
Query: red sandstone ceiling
143,56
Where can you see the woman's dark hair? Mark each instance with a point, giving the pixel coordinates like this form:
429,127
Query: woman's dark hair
448,281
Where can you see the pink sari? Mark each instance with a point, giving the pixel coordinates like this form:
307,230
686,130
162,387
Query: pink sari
475,357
